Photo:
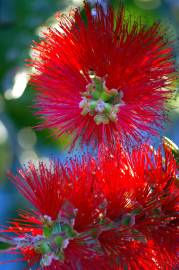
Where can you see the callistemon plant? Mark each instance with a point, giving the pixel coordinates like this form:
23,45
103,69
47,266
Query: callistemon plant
117,211
102,78
105,79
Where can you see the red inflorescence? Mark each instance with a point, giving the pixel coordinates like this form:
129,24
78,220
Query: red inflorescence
118,211
102,78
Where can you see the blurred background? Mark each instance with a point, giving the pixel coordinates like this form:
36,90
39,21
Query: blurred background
22,21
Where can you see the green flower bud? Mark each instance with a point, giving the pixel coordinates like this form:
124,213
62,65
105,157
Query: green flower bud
92,105
101,119
44,248
59,241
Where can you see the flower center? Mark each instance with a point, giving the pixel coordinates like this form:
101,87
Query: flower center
55,237
100,102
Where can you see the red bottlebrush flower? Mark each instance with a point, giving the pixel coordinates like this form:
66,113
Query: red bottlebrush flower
142,195
59,235
117,212
102,78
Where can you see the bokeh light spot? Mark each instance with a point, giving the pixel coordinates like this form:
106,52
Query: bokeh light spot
3,133
26,138
20,82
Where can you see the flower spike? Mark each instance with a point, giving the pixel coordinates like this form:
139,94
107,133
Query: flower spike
119,211
102,78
